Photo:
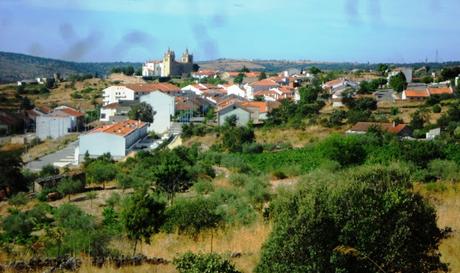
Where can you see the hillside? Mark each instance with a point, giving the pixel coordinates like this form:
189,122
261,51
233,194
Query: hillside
15,67
280,65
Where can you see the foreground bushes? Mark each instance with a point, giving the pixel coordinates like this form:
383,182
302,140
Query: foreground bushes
370,222
203,263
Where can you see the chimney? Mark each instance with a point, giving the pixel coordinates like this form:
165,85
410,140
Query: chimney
394,124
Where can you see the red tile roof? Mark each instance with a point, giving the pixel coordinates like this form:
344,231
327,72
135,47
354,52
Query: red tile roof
122,128
416,93
150,87
71,112
265,82
440,90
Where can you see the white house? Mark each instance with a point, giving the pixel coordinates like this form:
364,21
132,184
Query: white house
61,121
152,68
234,89
164,107
116,93
117,139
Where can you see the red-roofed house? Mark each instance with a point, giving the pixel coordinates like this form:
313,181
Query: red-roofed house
116,93
415,94
117,139
440,90
61,121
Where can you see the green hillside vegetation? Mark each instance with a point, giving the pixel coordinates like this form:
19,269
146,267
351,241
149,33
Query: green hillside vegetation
14,67
195,194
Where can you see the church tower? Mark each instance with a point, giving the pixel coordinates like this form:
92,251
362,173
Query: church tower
187,57
168,60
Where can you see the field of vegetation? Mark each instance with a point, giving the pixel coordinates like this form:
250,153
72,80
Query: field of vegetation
293,195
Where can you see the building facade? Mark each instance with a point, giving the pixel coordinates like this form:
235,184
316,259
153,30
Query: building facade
117,139
164,107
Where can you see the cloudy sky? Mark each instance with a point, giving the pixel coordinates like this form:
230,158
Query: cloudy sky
321,30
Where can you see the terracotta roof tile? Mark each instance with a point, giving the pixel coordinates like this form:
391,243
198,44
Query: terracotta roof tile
440,90
122,128
150,87
416,93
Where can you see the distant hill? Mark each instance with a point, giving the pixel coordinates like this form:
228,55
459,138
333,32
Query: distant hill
14,67
280,65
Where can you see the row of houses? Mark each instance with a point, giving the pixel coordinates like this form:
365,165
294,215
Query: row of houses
425,92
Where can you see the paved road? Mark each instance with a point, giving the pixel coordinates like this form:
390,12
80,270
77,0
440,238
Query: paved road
60,158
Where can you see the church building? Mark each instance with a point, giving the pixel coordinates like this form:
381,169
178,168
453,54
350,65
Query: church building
169,67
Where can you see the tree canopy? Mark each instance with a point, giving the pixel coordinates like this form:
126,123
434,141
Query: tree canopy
142,111
368,220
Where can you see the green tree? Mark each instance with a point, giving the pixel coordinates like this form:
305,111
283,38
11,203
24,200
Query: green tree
244,69
373,222
191,216
48,170
11,178
100,171
203,263
91,195
262,76
142,215
314,70
382,68
398,82
69,186
170,174
235,137
142,112
239,79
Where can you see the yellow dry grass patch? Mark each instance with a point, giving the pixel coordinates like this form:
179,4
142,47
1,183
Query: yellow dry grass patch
447,204
205,141
246,240
295,137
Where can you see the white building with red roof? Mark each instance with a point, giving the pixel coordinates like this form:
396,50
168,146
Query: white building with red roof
61,121
116,93
117,139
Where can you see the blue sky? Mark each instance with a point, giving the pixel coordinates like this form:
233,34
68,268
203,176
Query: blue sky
321,30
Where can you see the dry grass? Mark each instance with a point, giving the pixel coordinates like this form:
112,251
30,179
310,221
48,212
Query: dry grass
245,240
295,137
48,146
205,141
447,204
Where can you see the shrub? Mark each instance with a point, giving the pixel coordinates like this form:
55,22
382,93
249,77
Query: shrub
437,108
191,216
278,174
436,187
18,199
348,150
203,187
69,186
238,179
368,224
444,169
17,226
197,263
